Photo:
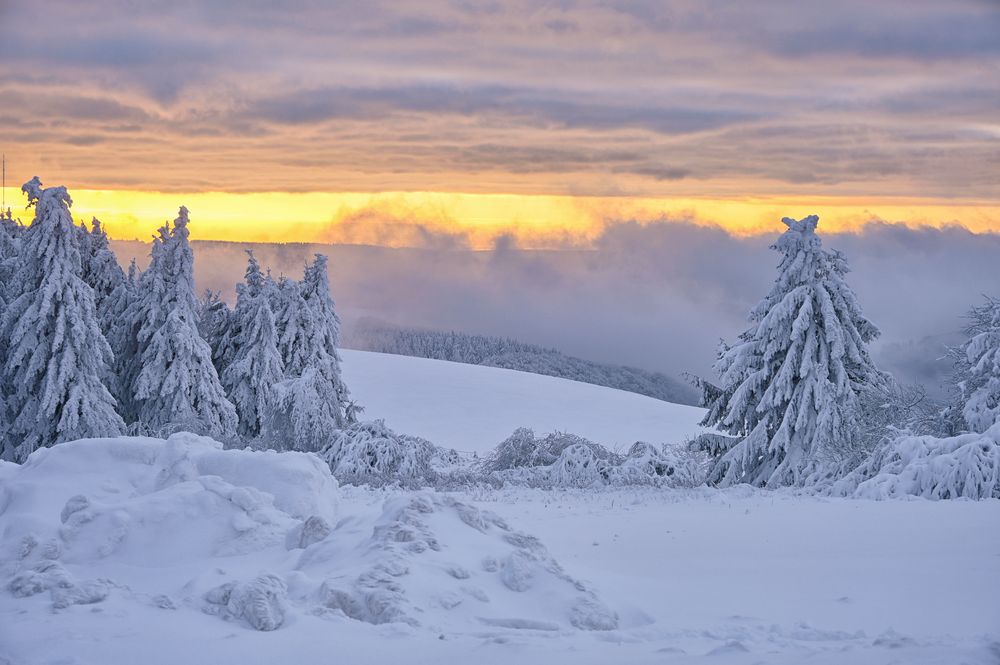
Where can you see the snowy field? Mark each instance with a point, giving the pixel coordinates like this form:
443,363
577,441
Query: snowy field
143,551
473,408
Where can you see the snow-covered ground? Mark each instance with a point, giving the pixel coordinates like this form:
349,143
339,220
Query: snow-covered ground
473,408
139,550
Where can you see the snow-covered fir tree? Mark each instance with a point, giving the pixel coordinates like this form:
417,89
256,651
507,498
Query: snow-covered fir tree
979,375
177,386
311,402
292,318
55,358
323,332
304,414
213,324
10,258
254,368
118,314
100,267
791,387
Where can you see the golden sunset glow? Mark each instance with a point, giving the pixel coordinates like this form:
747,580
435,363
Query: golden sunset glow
443,123
395,218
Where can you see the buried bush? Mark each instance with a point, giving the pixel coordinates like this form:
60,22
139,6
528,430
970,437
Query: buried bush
566,460
964,466
523,449
371,453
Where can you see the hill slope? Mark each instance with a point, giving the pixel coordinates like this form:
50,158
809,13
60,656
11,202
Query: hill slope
513,354
473,408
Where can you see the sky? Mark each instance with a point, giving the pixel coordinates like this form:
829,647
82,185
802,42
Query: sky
375,121
604,177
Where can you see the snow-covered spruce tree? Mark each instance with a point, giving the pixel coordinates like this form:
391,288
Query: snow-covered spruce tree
291,317
177,386
980,378
255,366
304,414
100,267
10,256
791,387
120,320
213,324
322,351
311,402
55,358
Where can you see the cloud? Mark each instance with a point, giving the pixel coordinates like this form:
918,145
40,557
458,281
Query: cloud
658,296
388,226
638,97
531,106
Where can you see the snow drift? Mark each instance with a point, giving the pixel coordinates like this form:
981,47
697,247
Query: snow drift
255,538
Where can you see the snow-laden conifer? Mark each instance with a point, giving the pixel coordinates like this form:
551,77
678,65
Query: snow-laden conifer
293,322
255,367
100,267
323,332
55,357
119,321
790,388
213,324
311,402
980,383
177,386
304,414
10,256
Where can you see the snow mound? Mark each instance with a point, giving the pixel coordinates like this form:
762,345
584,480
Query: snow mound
433,561
964,466
262,603
256,538
148,500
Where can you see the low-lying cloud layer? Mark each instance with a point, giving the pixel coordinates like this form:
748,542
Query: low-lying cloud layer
657,296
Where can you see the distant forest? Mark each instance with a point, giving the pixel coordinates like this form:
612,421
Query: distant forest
371,335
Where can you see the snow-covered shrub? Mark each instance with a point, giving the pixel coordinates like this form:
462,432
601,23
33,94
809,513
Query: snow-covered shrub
647,464
371,453
523,449
579,465
966,466
566,460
